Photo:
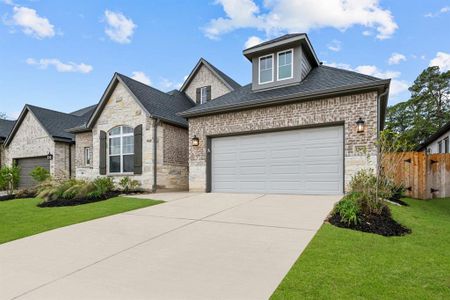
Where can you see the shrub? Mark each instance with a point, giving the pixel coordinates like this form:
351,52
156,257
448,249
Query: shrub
348,209
75,189
370,190
40,174
9,178
128,185
103,185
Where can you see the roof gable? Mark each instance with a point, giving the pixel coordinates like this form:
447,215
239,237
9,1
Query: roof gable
155,103
55,123
224,78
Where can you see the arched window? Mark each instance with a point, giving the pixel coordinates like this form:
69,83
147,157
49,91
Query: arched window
121,150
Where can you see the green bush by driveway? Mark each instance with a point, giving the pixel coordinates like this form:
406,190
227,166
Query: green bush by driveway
20,218
346,264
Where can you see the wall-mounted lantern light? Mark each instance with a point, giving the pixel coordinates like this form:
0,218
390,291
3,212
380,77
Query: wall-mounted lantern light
360,126
195,141
49,156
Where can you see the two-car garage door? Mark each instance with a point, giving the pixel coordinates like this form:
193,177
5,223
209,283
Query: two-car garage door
304,161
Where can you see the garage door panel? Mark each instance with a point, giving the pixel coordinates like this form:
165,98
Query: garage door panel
308,161
27,165
284,169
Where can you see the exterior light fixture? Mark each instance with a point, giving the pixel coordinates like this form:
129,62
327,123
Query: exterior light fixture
195,141
50,156
360,126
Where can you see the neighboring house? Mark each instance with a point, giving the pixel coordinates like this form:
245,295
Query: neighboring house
39,138
439,142
299,127
135,131
5,129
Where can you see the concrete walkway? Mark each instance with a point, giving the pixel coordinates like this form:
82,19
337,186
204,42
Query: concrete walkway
195,246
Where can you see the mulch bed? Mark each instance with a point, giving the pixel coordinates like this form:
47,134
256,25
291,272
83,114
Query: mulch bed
7,197
382,224
398,201
74,202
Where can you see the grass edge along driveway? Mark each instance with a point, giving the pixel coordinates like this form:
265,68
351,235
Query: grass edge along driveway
21,217
345,264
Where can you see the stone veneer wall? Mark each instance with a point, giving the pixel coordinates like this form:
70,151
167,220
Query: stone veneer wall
173,173
345,109
122,109
83,140
205,77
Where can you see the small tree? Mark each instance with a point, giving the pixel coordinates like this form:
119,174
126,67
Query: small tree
9,178
40,174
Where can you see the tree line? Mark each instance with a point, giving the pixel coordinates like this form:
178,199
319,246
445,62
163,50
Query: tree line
428,109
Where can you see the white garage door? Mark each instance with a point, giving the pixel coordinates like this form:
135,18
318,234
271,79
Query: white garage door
304,161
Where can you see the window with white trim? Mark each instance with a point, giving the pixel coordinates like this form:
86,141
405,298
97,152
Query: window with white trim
266,69
446,145
440,147
121,149
203,94
285,65
87,156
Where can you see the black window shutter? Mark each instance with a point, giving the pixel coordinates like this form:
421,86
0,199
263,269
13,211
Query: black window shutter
102,160
138,149
197,95
208,93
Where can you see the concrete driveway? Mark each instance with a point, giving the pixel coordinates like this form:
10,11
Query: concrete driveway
195,246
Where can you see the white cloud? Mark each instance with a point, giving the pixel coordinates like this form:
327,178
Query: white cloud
398,86
278,16
335,46
168,85
443,10
253,41
119,28
141,77
442,60
396,58
44,63
31,23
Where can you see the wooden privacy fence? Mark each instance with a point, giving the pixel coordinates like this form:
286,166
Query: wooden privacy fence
424,176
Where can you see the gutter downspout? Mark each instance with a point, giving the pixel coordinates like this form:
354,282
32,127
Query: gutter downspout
155,156
378,136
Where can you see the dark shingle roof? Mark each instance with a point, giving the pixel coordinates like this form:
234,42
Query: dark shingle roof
159,104
278,39
5,128
84,111
321,79
56,123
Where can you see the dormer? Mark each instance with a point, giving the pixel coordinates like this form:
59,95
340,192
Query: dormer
206,83
283,61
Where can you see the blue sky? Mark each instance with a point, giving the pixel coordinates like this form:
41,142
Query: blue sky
62,54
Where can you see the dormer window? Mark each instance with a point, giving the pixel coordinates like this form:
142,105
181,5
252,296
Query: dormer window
203,94
266,69
285,65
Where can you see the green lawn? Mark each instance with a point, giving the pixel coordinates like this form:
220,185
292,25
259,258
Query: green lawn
20,218
345,264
